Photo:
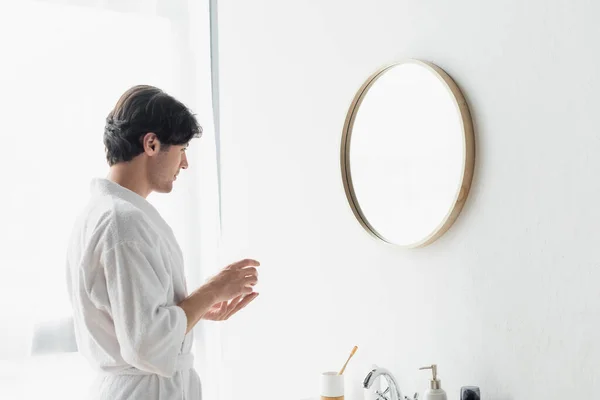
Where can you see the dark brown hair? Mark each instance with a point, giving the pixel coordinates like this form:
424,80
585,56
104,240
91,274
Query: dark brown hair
143,109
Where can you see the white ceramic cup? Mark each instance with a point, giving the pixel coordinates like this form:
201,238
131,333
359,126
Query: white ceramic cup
332,384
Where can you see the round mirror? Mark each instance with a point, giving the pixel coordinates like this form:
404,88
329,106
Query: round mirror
407,153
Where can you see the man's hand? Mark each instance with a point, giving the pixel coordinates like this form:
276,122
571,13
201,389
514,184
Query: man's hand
223,295
225,310
233,281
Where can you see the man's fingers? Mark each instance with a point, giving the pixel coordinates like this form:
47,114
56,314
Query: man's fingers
247,272
231,306
244,263
246,290
250,281
245,301
235,301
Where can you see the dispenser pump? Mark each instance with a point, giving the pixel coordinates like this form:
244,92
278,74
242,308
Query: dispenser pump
435,391
434,382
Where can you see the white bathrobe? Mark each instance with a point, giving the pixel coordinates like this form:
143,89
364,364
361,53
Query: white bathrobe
125,278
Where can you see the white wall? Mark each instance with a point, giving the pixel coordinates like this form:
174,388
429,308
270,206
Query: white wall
508,299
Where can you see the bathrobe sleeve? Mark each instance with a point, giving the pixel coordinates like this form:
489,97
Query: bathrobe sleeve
150,332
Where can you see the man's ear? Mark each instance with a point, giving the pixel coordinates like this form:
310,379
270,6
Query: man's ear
151,143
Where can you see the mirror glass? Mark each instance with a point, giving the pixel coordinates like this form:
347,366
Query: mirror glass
407,153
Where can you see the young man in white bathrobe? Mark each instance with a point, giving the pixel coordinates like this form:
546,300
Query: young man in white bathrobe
133,315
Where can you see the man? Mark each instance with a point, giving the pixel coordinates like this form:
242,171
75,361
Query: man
133,316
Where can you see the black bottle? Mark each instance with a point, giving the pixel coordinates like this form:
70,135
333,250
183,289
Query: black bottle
470,393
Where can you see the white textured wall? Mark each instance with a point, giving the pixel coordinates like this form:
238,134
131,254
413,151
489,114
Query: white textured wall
509,298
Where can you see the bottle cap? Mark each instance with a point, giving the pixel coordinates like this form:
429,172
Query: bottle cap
469,393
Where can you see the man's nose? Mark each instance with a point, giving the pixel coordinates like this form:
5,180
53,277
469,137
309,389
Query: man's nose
184,163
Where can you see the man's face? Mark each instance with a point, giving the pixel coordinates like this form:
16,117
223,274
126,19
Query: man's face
165,167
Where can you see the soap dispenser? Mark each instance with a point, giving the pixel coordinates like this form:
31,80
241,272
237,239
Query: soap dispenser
435,391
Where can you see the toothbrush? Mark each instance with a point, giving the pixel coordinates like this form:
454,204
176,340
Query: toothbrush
349,357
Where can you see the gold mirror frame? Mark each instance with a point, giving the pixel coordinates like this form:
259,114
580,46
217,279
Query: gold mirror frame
468,152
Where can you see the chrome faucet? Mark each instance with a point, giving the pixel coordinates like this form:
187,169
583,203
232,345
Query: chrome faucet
393,388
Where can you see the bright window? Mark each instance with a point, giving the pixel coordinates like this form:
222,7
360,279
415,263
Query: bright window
61,71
